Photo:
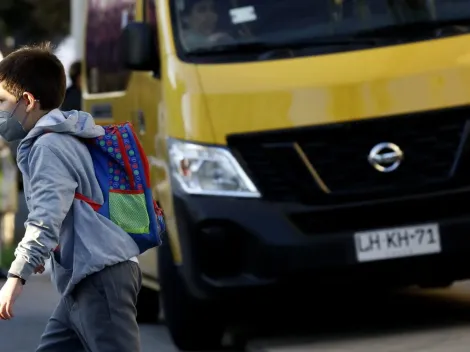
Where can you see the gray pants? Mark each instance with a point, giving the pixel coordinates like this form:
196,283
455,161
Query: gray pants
99,315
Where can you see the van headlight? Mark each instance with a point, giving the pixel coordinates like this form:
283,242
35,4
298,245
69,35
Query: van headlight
209,170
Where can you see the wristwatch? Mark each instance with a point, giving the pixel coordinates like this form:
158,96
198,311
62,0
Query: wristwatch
23,281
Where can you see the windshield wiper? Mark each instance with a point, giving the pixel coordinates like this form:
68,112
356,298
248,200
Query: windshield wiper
265,46
413,29
230,48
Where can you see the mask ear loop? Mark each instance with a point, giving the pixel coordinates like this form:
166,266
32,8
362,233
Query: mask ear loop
26,116
14,110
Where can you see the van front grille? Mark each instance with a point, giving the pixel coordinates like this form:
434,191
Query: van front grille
329,163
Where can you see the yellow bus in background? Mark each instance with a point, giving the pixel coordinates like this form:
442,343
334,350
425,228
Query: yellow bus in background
294,145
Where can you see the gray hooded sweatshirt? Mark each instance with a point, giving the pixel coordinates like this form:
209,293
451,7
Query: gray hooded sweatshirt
55,166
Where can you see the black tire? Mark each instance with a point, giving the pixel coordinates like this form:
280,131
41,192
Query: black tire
194,325
148,306
437,284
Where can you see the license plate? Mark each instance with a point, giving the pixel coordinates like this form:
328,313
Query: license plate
397,242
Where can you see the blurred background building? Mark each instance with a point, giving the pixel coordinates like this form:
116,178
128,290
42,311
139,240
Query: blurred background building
25,22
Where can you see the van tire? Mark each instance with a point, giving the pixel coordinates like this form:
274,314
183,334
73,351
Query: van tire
148,306
193,324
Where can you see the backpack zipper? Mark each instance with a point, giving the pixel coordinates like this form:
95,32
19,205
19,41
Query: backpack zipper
125,157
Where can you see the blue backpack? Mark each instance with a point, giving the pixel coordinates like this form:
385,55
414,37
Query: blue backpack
123,173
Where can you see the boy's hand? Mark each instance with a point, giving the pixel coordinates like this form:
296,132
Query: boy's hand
8,295
39,269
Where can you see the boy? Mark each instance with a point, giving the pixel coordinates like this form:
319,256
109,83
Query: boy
94,265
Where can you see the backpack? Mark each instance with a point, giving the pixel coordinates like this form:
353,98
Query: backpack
123,173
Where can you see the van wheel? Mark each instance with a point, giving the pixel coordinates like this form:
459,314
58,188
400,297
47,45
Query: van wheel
194,325
148,306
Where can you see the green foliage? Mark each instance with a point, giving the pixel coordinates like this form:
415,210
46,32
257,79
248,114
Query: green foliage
6,257
31,21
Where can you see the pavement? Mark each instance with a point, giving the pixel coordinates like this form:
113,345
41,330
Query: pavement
411,321
32,310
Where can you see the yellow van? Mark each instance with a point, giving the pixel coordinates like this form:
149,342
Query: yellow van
294,144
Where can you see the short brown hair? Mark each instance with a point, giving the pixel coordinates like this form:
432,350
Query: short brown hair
37,70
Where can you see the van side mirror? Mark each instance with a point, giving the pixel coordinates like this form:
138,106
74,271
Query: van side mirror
139,47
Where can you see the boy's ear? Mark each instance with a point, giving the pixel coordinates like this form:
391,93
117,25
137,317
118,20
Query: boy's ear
30,101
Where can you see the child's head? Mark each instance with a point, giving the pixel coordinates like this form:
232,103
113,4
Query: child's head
32,83
75,73
201,17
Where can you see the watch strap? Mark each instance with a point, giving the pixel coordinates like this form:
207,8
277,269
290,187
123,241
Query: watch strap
23,281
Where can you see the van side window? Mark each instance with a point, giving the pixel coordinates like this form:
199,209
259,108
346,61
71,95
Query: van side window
105,21
150,16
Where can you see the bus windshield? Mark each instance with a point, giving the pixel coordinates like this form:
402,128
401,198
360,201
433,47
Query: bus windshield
208,26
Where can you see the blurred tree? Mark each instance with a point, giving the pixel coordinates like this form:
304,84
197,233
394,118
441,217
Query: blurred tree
31,21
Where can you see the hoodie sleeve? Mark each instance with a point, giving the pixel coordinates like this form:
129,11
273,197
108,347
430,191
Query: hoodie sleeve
52,194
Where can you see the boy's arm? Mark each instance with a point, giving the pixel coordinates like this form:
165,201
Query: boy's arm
52,193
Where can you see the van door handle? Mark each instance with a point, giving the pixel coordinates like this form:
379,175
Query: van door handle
102,111
139,121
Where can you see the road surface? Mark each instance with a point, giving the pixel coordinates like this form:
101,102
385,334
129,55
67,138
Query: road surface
33,308
417,321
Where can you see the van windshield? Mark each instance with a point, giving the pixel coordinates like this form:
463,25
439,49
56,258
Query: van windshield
234,26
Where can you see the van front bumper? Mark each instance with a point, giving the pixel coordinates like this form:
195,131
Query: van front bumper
242,246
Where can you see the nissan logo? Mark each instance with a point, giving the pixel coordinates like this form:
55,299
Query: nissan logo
385,157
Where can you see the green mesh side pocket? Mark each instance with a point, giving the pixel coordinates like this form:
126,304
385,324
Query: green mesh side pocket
129,212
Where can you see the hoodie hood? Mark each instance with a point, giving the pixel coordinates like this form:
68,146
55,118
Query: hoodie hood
75,123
